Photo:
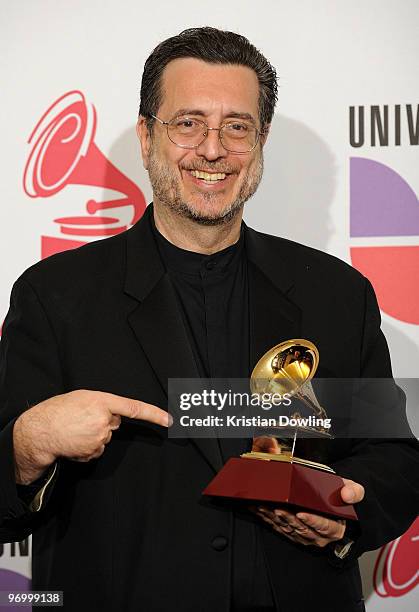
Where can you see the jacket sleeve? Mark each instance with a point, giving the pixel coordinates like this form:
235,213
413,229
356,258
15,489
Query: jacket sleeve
30,372
388,468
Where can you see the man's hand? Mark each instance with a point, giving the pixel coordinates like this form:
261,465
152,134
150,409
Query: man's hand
76,425
311,529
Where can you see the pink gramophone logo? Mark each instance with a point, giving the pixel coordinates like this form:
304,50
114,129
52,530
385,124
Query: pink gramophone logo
396,569
64,153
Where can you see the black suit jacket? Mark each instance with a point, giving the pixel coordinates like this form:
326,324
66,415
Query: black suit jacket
131,531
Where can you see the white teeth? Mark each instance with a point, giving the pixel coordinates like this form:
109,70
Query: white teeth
219,176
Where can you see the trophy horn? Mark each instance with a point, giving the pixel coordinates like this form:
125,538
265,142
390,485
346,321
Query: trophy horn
288,368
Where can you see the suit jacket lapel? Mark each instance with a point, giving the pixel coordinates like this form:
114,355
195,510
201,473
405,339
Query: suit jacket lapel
157,321
274,317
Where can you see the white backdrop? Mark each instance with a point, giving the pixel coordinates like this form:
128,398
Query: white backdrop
330,55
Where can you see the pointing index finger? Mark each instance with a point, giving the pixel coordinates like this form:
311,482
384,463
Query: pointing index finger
136,409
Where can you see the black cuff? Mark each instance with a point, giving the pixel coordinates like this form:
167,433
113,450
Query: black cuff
27,492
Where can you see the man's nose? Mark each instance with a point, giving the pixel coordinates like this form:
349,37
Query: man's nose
211,148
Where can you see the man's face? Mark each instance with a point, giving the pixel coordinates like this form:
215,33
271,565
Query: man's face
216,94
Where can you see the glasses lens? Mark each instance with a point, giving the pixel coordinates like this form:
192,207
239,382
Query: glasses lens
238,137
186,132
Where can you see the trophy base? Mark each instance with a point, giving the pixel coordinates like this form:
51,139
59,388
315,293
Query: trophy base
282,481
285,456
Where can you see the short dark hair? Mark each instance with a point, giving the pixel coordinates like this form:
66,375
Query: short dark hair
213,46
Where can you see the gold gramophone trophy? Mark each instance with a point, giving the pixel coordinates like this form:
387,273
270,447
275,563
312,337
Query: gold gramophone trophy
272,472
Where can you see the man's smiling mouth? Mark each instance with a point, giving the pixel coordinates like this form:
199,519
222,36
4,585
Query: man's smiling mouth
209,176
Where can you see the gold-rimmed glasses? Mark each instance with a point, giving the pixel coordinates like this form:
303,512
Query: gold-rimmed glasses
187,132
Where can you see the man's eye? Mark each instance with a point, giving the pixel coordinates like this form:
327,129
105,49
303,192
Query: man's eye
240,128
185,123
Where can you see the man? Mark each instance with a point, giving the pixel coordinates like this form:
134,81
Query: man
93,335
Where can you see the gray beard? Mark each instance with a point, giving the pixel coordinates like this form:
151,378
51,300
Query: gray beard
165,184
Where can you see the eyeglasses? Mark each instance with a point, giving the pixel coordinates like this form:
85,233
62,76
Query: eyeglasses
188,133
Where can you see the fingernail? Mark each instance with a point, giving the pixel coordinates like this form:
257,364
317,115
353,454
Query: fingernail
169,420
350,496
302,517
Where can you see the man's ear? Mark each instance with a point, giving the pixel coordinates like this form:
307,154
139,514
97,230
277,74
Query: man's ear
264,134
144,138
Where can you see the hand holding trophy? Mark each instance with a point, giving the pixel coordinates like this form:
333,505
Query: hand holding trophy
272,472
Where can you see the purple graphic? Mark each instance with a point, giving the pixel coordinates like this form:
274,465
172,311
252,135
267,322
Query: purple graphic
12,581
382,202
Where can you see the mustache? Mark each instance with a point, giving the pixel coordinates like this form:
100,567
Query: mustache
208,167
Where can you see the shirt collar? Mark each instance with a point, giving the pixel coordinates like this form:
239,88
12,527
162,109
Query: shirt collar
189,262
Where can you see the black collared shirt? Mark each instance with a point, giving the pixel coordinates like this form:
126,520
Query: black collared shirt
212,292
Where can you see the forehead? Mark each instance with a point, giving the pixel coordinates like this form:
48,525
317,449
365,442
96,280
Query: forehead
195,84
